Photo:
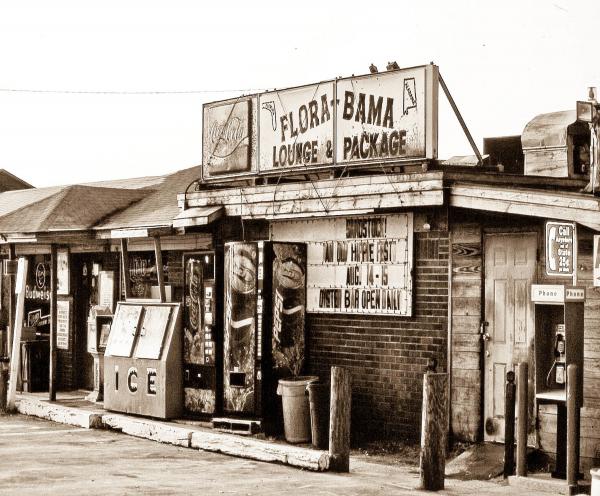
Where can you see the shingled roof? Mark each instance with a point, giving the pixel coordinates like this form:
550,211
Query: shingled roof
62,208
158,208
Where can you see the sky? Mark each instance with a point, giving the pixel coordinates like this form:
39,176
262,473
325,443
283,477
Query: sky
504,63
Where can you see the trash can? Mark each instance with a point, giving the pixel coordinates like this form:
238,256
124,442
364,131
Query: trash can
4,360
595,472
318,396
296,410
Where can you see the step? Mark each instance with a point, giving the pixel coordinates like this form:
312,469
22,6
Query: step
245,427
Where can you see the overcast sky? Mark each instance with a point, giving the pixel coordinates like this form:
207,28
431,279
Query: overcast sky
504,63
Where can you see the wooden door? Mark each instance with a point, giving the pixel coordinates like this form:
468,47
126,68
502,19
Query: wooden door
510,268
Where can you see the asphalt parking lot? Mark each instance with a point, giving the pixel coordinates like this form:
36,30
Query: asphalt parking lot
42,457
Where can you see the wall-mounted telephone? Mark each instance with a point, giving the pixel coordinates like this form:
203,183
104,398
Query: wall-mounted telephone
559,365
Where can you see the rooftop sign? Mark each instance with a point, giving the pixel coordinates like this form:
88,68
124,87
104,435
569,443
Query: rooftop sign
390,116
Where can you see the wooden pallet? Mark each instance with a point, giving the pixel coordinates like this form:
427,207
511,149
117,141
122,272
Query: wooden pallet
245,427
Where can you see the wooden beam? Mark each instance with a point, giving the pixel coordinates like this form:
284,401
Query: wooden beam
537,203
11,302
141,232
125,269
53,354
159,269
15,357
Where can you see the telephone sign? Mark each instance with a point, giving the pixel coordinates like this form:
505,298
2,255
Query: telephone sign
561,248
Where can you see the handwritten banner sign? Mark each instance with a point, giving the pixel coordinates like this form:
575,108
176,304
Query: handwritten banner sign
359,265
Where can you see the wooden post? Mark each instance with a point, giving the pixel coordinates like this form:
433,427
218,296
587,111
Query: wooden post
11,303
339,418
509,425
159,269
572,429
3,384
124,269
522,420
15,357
52,371
434,431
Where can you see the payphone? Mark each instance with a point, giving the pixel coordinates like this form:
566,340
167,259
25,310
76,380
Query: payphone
558,344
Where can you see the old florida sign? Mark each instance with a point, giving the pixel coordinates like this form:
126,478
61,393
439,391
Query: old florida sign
229,137
296,127
390,116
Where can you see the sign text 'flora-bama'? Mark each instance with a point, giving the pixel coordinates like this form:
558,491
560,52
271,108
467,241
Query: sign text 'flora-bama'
378,117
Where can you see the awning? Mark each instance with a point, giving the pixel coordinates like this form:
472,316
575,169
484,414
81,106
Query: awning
198,216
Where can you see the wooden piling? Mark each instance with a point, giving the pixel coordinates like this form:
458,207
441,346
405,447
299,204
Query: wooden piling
522,420
509,425
339,431
434,432
572,429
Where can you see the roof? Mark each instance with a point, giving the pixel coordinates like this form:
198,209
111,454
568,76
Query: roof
62,208
158,208
9,182
546,130
131,183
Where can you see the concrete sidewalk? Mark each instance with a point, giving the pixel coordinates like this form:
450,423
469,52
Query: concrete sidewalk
72,409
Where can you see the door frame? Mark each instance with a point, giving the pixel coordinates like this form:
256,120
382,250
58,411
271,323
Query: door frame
486,232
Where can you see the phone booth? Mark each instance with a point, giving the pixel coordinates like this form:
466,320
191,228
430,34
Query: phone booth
558,344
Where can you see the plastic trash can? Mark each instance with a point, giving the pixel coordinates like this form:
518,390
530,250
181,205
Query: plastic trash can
296,410
318,396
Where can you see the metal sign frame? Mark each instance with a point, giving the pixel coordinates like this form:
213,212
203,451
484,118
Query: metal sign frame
430,75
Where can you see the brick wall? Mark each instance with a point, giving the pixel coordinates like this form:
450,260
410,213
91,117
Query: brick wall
387,356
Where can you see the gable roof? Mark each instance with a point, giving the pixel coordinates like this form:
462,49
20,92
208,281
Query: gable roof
62,208
9,182
157,209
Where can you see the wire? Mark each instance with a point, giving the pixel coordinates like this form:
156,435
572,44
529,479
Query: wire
119,92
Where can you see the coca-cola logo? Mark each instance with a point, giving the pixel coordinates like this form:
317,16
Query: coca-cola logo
227,137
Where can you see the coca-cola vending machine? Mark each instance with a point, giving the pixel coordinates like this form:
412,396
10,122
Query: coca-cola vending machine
264,314
201,350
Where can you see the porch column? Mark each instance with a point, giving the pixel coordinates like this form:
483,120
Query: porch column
159,269
52,372
124,268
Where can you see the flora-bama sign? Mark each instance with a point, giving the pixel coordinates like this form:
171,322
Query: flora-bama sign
381,117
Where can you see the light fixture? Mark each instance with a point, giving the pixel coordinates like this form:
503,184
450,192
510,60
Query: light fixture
586,111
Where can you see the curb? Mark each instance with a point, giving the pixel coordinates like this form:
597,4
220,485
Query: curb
177,435
59,414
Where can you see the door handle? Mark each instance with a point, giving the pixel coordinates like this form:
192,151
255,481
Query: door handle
485,335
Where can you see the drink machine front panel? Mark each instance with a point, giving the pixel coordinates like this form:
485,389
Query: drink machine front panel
200,340
289,308
240,327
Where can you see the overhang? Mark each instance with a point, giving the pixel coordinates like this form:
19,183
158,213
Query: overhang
198,216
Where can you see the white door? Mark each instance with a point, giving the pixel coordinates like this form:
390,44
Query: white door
510,268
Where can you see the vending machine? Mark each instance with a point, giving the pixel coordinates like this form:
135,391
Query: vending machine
264,316
201,350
